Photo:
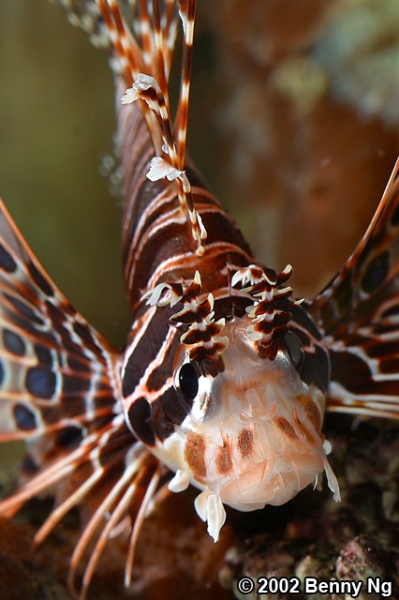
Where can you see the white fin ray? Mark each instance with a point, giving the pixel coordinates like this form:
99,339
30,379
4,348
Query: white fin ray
180,481
210,509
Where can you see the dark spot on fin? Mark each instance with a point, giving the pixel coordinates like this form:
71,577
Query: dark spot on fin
54,312
24,417
40,280
24,309
13,342
376,273
139,417
83,332
43,354
40,382
69,438
7,263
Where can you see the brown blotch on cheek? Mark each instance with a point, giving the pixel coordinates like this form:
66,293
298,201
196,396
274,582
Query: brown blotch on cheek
313,414
303,430
195,455
245,442
286,428
224,463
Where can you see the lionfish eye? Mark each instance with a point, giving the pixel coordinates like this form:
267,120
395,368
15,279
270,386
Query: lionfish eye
295,350
188,381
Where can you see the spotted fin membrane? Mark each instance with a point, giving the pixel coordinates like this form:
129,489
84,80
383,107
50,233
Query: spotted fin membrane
59,387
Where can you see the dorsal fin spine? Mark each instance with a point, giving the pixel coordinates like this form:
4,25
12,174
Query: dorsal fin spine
187,15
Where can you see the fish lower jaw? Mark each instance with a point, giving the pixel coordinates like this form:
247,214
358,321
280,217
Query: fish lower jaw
250,482
277,485
274,482
253,490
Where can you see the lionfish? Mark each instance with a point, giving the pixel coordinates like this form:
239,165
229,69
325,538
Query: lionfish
225,378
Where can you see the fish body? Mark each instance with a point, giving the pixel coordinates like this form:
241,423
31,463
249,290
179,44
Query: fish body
225,377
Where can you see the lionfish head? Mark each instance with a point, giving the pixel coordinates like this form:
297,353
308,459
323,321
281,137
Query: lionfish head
251,434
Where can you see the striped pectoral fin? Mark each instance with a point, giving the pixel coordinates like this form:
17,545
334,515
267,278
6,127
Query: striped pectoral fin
56,371
60,391
365,374
58,377
359,313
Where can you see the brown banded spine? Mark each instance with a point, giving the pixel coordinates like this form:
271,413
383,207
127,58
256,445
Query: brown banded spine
157,240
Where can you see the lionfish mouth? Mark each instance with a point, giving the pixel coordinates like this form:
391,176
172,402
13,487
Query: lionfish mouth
275,481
